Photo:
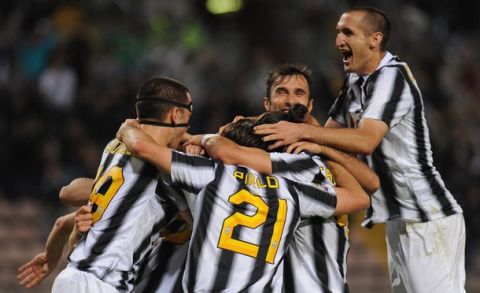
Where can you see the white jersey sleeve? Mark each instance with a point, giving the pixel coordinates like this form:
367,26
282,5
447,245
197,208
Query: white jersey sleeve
316,200
191,172
296,167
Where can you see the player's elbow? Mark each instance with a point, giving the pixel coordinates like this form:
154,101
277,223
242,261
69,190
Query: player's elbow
65,194
366,147
64,223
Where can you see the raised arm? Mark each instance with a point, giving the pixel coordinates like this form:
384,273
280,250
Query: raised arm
36,270
227,151
77,192
367,178
143,146
361,140
350,195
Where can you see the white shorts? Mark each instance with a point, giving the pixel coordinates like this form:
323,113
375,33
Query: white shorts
71,280
427,257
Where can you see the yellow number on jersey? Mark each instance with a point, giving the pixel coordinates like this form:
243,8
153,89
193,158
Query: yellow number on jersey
254,221
342,220
104,190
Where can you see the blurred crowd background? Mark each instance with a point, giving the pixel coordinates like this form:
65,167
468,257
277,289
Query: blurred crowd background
69,72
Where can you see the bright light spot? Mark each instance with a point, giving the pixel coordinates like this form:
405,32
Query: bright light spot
223,6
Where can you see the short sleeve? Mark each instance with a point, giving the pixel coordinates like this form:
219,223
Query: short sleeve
190,172
316,200
297,167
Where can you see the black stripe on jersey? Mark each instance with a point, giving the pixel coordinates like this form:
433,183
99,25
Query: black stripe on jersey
162,259
394,99
320,253
178,283
386,183
189,161
288,277
144,263
198,238
266,236
167,203
147,175
420,132
123,284
296,214
224,268
370,86
317,194
298,165
341,246
340,101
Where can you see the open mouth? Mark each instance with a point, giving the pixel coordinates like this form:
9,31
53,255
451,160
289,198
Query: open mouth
347,56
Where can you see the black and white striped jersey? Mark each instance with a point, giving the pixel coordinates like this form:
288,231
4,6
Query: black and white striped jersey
163,271
411,188
129,207
317,258
243,223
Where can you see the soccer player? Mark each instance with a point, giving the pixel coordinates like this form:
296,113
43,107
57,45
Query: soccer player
130,202
381,115
313,261
314,269
242,220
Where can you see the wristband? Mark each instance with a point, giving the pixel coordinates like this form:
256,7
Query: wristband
206,137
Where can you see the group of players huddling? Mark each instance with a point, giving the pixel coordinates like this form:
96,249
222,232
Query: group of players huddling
261,205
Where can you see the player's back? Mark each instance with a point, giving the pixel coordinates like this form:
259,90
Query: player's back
125,209
316,259
243,222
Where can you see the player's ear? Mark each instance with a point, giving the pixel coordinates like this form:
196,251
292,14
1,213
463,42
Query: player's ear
175,116
375,40
266,103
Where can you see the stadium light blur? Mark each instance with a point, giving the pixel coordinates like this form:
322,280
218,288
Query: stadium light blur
223,6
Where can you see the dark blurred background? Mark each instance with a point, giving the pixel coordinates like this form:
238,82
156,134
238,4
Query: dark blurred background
69,72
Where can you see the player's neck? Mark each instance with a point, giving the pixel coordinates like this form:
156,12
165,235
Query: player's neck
373,63
161,135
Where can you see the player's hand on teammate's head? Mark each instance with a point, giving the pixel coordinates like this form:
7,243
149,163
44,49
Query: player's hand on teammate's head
35,271
84,219
238,117
283,133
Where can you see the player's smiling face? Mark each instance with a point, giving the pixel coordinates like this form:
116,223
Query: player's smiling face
291,90
353,42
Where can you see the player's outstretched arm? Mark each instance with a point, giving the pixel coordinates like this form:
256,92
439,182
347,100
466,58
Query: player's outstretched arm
350,195
230,153
36,270
367,178
143,146
77,192
361,140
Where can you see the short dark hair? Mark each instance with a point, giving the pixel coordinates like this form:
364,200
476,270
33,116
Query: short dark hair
162,88
279,73
242,131
375,20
